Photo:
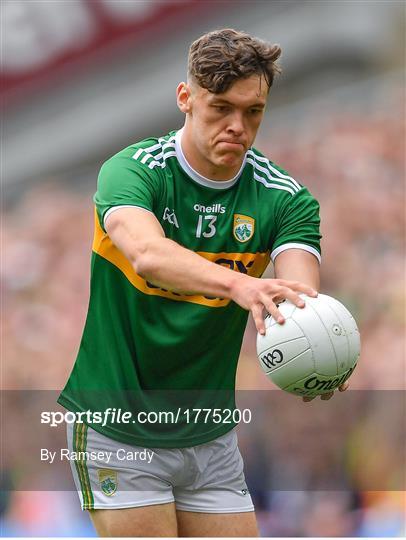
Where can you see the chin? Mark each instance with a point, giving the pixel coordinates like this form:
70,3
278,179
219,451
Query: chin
230,160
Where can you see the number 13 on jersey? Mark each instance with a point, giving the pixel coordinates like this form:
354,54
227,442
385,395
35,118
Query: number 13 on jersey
206,223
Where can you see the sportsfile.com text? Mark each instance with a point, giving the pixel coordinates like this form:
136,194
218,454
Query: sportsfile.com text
113,415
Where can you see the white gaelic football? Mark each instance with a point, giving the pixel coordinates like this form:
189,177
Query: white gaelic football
314,351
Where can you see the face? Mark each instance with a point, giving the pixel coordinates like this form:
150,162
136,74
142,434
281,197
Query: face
220,128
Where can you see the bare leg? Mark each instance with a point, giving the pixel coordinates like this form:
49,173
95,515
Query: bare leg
151,521
192,524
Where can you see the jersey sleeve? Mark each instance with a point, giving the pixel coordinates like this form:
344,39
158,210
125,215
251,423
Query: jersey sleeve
123,181
298,225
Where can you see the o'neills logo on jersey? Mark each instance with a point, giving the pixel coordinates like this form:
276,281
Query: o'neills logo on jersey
214,209
243,227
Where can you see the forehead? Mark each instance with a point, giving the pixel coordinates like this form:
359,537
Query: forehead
244,92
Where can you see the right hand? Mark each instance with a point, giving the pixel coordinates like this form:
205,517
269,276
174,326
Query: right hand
259,295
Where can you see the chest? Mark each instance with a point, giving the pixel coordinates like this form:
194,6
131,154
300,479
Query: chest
234,220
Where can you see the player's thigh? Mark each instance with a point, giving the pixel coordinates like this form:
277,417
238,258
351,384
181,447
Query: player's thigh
192,524
150,521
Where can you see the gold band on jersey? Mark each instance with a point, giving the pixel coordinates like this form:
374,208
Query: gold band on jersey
254,264
79,445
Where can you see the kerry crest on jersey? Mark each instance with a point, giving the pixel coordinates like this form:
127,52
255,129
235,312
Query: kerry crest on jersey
243,227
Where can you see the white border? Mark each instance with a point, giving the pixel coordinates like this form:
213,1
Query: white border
293,245
114,208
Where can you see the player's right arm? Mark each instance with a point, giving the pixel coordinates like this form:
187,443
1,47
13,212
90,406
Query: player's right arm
165,263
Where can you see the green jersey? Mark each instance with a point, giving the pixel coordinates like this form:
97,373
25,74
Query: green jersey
140,339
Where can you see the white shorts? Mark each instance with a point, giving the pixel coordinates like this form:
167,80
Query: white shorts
204,478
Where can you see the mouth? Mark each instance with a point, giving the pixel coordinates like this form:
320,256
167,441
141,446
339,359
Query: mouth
232,144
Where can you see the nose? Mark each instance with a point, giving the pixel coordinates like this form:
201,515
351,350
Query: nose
236,124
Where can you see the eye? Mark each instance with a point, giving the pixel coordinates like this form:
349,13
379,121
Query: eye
221,108
255,111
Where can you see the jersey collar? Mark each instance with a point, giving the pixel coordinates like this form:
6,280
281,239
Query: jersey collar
197,177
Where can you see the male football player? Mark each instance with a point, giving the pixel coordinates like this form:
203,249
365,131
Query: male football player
185,226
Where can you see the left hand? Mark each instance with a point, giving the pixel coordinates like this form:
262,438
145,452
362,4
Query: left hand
329,395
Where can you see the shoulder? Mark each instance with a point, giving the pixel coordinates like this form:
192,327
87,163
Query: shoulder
150,153
270,176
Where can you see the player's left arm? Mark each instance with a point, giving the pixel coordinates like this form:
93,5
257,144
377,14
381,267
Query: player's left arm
303,266
298,265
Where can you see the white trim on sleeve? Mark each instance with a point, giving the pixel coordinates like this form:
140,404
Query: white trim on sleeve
114,208
293,245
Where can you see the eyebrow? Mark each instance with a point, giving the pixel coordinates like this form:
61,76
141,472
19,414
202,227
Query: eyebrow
215,100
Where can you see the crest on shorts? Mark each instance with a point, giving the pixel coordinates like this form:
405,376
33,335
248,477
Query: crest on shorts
107,481
243,227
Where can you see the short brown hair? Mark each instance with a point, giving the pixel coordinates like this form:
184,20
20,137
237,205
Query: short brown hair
217,59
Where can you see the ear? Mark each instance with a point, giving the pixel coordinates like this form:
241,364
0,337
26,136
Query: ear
183,97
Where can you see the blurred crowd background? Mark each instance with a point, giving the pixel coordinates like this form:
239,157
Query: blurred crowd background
84,79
